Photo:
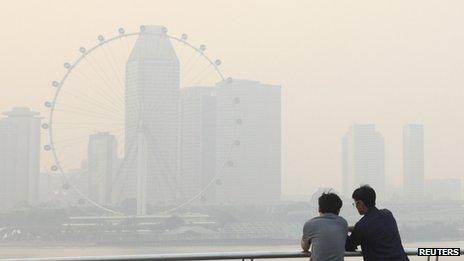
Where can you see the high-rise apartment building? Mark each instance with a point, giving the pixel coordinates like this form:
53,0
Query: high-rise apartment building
151,120
19,157
363,156
198,143
102,167
413,161
248,118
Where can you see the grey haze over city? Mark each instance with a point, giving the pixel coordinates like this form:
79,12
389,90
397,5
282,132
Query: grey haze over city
130,124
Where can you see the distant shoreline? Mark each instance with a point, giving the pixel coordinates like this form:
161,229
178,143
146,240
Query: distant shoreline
182,243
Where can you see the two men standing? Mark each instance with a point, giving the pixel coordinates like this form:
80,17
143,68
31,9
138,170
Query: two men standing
376,232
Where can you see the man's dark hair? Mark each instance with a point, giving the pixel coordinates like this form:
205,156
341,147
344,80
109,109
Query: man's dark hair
330,202
365,194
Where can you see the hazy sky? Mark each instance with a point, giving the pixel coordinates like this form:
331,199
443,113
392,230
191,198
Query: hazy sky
339,63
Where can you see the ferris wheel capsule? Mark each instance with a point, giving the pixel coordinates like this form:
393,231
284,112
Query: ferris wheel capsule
142,28
101,38
164,30
184,36
54,168
67,65
45,126
121,31
202,47
229,80
48,104
55,84
217,62
47,147
82,50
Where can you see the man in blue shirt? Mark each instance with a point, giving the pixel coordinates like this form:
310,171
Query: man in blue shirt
376,231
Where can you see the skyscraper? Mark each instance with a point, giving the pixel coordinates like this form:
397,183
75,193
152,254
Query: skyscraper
198,142
363,156
19,157
151,118
102,166
413,161
248,118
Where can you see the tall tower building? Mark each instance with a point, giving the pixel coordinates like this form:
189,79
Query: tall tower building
152,111
102,166
249,112
19,157
413,161
198,142
363,156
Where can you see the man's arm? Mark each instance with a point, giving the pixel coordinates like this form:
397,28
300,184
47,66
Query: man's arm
305,245
306,238
353,240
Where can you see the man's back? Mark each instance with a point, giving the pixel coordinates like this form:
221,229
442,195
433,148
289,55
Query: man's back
327,236
378,235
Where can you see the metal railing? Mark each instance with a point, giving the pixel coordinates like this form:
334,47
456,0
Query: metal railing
213,256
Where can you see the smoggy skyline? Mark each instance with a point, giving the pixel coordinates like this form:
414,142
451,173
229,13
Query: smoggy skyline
388,63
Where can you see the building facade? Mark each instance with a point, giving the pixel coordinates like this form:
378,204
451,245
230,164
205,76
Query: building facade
19,157
363,159
413,161
102,166
249,119
152,119
198,143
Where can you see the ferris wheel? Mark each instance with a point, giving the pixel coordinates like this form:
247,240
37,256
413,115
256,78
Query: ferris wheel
94,139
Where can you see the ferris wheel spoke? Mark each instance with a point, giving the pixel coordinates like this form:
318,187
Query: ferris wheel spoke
70,159
82,137
92,124
90,97
96,90
192,80
98,68
162,161
106,113
78,138
91,115
111,60
191,63
116,96
126,41
113,64
66,162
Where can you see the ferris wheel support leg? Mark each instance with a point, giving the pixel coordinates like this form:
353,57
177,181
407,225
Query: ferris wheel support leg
141,174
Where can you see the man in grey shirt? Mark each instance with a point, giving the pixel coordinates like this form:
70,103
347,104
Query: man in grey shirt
326,234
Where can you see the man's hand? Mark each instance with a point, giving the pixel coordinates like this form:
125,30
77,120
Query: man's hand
305,245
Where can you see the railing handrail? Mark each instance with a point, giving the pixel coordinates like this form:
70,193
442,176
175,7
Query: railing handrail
208,256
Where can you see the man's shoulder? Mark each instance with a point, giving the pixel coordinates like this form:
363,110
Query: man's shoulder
325,219
374,218
386,212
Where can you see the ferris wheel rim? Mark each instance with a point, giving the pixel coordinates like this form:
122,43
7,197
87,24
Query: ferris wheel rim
69,69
